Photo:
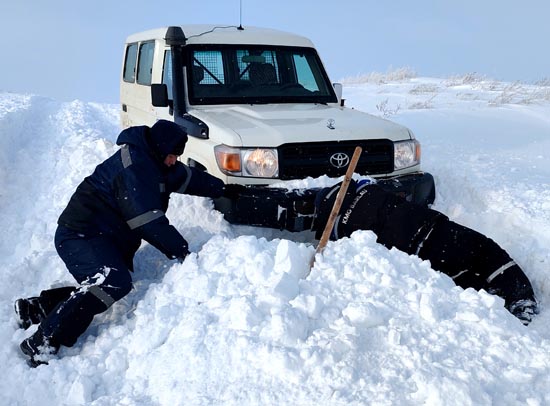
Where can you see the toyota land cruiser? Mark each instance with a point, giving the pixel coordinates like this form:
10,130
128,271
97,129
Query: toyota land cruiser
259,108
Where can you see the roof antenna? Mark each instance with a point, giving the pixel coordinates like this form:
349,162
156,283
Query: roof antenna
240,27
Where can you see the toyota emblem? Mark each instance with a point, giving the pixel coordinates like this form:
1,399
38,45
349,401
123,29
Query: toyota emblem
339,160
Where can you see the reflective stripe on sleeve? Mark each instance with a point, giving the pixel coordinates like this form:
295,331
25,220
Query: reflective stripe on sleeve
101,295
186,183
144,218
421,243
500,270
460,273
125,156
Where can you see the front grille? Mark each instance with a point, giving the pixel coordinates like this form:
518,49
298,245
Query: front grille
298,161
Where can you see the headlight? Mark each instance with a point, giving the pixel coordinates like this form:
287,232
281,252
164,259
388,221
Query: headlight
406,154
249,162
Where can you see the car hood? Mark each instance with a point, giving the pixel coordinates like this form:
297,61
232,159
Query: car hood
276,124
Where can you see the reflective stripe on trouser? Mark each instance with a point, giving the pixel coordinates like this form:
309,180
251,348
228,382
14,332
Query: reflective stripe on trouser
73,316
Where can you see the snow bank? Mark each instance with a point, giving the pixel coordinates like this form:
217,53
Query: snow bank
238,323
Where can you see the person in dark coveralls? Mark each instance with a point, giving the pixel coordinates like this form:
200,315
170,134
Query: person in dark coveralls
121,203
468,257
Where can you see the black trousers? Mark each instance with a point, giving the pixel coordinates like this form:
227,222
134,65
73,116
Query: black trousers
103,273
471,259
474,260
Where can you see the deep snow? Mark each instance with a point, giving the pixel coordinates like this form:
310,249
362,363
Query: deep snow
238,323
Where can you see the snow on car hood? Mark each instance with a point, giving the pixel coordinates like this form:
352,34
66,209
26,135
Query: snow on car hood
273,125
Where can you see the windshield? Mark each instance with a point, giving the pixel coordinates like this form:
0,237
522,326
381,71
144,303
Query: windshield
256,75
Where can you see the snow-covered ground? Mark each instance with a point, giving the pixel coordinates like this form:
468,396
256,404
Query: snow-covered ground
239,324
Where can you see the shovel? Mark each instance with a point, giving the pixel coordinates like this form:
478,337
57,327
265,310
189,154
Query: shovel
336,207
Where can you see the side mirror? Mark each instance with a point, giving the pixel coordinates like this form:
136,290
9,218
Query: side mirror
338,89
159,95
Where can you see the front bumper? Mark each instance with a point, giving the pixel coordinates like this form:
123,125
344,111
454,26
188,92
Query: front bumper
293,210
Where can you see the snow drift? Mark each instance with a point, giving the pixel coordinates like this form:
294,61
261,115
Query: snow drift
239,324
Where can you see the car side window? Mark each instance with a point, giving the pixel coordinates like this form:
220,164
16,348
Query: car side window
145,63
130,63
167,73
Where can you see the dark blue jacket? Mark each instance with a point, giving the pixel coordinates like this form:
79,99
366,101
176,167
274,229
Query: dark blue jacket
126,197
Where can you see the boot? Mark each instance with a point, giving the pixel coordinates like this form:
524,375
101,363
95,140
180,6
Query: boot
28,312
516,290
38,349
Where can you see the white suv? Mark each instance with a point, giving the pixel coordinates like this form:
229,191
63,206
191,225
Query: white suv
259,108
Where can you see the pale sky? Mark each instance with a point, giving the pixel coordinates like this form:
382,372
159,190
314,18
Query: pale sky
70,50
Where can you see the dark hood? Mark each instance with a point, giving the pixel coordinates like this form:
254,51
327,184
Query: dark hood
163,138
167,138
136,136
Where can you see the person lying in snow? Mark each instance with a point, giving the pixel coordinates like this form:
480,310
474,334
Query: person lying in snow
122,202
468,257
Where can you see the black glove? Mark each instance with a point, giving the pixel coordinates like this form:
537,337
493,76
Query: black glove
233,190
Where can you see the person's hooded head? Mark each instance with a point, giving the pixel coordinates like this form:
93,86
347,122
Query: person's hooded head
167,138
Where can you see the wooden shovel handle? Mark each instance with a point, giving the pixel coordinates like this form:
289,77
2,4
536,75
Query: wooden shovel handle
337,203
